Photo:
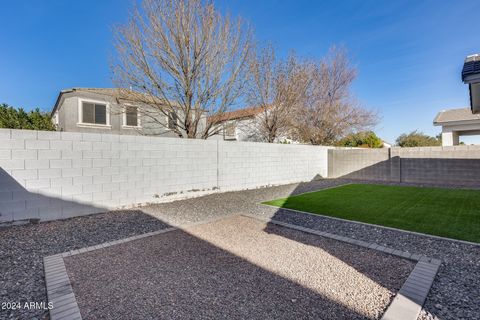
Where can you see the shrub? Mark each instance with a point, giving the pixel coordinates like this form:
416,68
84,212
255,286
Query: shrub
366,139
418,139
14,118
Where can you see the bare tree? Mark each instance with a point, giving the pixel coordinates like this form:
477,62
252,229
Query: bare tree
329,111
183,60
276,87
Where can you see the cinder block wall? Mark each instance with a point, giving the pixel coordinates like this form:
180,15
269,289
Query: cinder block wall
245,165
359,164
51,175
459,165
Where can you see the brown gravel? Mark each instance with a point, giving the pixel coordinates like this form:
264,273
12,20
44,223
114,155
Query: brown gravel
235,268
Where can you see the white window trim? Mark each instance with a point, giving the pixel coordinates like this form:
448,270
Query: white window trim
233,136
93,125
55,119
167,118
124,116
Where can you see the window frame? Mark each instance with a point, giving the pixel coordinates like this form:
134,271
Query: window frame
80,122
232,125
124,117
55,118
168,121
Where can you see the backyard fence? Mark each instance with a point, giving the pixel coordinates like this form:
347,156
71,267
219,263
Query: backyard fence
50,175
459,165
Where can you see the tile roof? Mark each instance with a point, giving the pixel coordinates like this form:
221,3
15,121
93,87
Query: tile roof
237,114
120,93
117,93
105,91
453,115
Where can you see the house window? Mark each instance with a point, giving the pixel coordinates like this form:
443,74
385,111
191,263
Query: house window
131,116
94,113
230,129
172,120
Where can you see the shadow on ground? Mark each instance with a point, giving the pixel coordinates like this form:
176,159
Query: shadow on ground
451,293
185,274
204,289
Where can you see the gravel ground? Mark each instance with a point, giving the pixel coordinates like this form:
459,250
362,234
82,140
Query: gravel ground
455,292
454,295
235,268
23,247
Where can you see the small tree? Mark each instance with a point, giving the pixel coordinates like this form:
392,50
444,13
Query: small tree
14,118
277,87
183,60
417,139
329,110
366,139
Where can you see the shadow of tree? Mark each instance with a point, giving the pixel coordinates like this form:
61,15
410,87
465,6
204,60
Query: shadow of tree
366,261
18,203
178,275
203,279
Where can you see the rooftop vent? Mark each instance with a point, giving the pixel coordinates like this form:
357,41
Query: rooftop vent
471,76
471,69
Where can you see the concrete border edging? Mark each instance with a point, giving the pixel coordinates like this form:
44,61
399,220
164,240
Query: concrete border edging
361,243
59,289
407,304
409,300
371,224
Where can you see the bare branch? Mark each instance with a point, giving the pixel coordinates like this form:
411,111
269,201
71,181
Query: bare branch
329,111
182,57
277,87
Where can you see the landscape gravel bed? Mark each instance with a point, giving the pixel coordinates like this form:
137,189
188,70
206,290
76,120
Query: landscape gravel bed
22,249
235,268
454,294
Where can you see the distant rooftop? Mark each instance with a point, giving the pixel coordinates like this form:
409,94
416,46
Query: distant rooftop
236,114
471,66
106,91
117,93
454,115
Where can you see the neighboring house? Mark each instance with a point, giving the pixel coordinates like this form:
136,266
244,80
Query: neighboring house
456,123
242,125
463,121
106,110
386,144
237,125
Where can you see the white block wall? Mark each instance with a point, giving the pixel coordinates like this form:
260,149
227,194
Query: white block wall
245,165
52,175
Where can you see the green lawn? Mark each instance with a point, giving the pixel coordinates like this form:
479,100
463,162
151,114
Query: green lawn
451,213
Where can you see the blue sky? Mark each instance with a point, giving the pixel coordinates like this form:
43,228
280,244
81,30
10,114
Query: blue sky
409,53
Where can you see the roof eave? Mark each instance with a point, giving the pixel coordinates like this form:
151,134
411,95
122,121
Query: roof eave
55,107
455,122
435,120
471,78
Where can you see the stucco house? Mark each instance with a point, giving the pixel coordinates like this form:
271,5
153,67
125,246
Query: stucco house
113,110
463,121
110,110
242,125
237,125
